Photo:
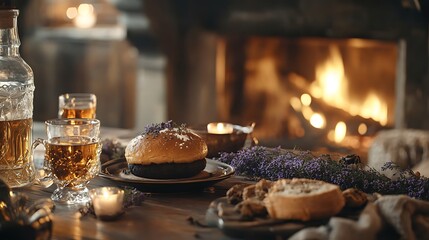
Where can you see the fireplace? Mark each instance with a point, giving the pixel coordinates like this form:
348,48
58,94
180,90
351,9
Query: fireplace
311,74
308,87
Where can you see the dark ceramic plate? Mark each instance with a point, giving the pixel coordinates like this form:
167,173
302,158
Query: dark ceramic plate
222,215
215,171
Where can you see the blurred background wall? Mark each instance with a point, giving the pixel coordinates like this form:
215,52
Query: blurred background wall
98,46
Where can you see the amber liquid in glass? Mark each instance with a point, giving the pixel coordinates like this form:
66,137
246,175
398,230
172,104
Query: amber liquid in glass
15,152
78,113
72,160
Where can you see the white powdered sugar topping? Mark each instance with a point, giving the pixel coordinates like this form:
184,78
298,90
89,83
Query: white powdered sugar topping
182,137
178,133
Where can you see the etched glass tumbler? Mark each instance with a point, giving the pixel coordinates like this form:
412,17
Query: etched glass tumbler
72,154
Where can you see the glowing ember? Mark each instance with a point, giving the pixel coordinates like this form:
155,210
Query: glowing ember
362,129
317,120
307,112
306,99
296,104
340,132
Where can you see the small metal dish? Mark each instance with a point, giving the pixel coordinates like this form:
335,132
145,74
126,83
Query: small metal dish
226,142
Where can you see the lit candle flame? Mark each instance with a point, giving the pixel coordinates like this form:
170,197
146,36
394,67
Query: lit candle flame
220,128
107,201
105,193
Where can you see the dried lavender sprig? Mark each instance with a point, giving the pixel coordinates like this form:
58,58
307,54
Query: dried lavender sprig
275,163
133,197
111,149
155,128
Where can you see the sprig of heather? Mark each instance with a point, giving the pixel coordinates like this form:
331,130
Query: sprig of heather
276,163
155,128
111,149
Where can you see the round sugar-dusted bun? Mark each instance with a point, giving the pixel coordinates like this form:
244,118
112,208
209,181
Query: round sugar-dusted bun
166,150
303,199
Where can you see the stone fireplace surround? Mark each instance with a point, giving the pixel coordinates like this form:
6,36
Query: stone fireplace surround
189,32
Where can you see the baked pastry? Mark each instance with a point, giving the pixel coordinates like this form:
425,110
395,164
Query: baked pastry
257,191
354,198
234,195
249,192
262,188
250,208
166,150
303,199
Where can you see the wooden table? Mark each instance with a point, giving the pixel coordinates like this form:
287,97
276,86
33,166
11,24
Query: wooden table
161,215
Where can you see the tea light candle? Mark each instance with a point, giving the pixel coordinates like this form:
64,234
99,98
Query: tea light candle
107,201
220,128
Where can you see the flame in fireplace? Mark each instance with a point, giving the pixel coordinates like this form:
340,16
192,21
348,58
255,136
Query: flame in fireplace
331,82
331,85
374,108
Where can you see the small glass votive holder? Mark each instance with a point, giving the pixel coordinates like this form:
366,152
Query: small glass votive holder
107,202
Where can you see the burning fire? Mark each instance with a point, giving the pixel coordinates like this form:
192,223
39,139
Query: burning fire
285,101
331,86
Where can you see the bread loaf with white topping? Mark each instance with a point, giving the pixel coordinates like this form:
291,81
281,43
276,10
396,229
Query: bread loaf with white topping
303,199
